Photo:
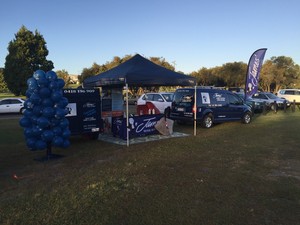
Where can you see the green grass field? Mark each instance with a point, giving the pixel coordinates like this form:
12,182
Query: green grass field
230,174
6,95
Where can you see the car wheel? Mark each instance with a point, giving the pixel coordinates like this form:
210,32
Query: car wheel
274,107
207,121
22,110
247,118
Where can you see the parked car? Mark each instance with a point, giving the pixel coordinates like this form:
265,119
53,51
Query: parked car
161,100
269,99
12,105
132,100
212,106
290,94
256,106
237,90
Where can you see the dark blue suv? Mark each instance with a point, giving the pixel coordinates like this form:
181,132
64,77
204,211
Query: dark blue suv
213,106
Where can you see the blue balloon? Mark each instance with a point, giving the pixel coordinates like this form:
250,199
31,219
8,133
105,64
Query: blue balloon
53,85
45,92
60,83
28,93
36,131
28,132
66,133
37,110
25,122
48,112
30,142
54,122
33,86
47,102
47,135
39,74
51,75
66,143
40,144
28,113
43,122
31,80
56,96
57,131
28,104
35,98
64,123
60,113
43,82
57,141
62,103
34,119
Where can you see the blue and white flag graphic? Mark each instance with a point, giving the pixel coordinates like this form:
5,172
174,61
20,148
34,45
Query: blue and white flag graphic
253,72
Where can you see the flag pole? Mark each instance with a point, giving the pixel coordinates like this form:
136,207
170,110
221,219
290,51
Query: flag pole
127,119
195,111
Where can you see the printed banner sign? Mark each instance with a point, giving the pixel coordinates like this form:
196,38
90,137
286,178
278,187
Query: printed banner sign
138,125
253,71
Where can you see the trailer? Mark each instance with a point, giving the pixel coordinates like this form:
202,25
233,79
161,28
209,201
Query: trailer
84,112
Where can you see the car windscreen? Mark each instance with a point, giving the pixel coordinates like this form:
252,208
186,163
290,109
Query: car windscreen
184,97
168,97
271,96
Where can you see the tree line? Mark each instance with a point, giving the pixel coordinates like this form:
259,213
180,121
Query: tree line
27,52
276,73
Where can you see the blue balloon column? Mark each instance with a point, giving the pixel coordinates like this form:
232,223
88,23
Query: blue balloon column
44,119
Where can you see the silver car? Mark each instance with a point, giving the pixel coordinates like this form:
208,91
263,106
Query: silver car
270,99
12,105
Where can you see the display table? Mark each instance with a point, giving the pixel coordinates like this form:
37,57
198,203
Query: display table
138,126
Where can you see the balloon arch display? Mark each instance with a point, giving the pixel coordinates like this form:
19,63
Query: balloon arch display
44,121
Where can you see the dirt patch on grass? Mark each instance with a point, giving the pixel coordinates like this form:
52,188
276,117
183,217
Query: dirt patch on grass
287,168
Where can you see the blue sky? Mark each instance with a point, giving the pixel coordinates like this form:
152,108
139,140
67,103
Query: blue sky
191,33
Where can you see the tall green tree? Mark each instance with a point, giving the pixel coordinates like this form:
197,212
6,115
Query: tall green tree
97,69
3,86
204,76
161,61
26,54
92,71
267,76
233,74
279,72
63,74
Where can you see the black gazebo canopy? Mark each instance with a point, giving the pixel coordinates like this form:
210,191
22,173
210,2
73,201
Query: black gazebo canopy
139,71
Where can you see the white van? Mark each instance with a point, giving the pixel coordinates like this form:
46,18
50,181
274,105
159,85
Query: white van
290,94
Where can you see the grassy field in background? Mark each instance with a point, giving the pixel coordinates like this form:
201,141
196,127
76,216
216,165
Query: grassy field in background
7,95
230,174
